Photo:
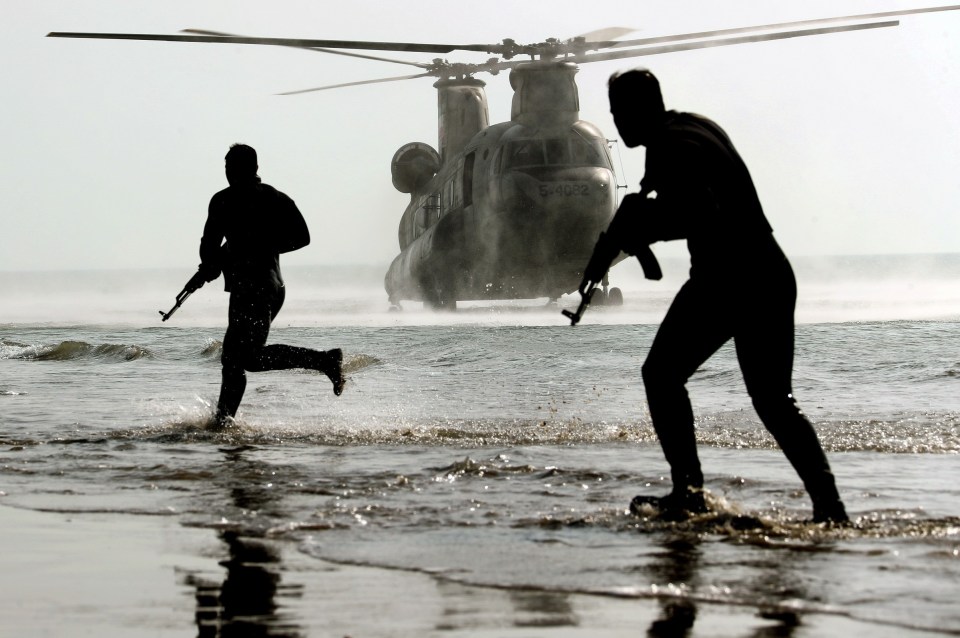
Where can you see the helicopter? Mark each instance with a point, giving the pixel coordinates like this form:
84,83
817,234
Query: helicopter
511,210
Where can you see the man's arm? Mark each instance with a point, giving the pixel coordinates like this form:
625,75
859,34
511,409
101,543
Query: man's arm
293,232
673,200
628,232
211,252
641,220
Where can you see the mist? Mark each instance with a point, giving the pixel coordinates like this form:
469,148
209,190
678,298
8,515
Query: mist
830,290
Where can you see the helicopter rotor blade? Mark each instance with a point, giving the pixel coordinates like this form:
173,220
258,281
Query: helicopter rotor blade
574,50
781,25
339,86
303,43
495,67
419,65
219,34
506,49
721,42
604,35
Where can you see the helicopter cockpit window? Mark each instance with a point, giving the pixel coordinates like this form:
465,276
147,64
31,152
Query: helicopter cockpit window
557,151
586,152
572,151
524,153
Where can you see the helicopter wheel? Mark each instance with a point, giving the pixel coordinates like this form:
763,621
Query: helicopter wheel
599,297
615,297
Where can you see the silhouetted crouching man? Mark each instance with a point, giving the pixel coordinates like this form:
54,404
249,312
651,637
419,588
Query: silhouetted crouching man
741,286
259,223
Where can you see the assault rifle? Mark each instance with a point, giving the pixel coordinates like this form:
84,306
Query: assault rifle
195,283
606,250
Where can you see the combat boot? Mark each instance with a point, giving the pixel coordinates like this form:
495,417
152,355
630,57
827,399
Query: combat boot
332,365
829,511
678,505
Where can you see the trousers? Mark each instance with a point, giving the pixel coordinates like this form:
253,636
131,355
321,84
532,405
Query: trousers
758,314
253,308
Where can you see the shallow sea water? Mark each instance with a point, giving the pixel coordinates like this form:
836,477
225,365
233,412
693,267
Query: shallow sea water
498,447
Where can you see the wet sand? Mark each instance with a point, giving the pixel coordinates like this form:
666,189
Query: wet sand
106,575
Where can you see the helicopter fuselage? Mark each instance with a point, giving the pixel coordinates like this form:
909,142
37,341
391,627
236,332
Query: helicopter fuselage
514,216
508,211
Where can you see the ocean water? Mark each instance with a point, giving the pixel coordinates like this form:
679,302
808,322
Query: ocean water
498,446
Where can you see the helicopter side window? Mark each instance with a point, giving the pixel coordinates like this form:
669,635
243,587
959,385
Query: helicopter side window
426,214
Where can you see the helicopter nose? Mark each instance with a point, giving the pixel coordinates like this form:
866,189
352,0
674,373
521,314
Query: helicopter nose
559,207
559,191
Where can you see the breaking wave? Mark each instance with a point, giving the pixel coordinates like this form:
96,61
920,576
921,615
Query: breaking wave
73,350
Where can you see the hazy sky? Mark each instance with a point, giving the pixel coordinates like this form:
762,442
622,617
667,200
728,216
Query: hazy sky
112,149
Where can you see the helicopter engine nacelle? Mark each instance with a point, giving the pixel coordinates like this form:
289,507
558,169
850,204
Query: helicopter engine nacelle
414,165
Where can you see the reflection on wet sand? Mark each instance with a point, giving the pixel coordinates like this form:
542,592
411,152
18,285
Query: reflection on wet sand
676,570
542,609
245,603
676,567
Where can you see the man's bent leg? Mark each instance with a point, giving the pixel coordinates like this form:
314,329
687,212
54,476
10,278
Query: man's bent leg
689,334
283,357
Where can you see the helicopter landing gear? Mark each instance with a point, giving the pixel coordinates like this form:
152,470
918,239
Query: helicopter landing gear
439,304
439,297
607,297
614,297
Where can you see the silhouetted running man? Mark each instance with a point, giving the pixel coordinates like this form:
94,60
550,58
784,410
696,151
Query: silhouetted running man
259,223
741,286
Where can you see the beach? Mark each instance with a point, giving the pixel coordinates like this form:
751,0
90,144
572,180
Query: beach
67,579
474,477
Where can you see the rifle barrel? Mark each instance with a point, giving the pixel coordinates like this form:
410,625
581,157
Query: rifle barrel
180,299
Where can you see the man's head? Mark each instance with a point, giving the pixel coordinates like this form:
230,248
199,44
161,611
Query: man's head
241,165
636,105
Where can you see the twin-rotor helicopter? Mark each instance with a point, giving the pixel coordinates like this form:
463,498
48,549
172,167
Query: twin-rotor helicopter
511,210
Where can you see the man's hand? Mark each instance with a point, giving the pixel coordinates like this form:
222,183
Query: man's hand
196,282
625,228
603,255
627,233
